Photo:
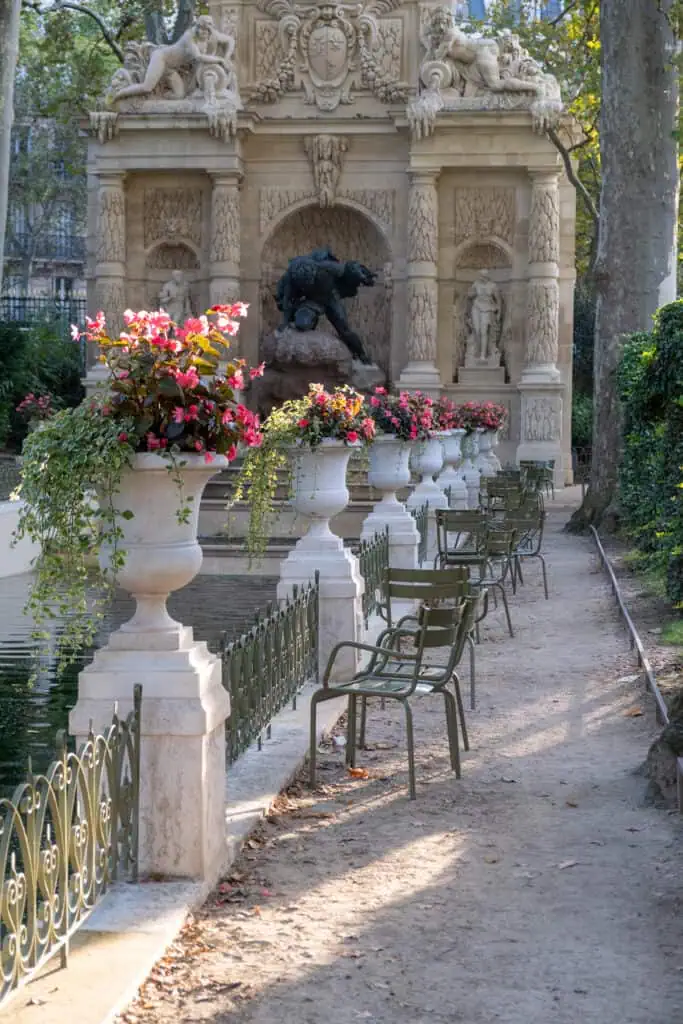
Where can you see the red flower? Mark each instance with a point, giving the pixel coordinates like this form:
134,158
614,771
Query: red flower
352,436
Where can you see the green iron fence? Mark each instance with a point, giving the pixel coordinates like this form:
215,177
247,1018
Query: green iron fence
373,556
267,666
64,837
421,517
10,477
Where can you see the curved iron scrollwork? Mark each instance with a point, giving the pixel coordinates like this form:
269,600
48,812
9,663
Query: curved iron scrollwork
64,837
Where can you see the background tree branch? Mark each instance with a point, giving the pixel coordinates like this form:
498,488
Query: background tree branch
99,21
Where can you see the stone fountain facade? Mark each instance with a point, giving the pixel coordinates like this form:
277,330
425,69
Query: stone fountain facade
381,130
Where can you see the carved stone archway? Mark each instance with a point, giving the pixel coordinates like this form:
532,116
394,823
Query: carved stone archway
350,235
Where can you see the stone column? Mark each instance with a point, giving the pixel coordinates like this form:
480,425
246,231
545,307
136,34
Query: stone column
422,290
543,296
110,260
540,386
224,280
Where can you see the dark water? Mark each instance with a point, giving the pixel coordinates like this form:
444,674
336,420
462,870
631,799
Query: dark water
32,712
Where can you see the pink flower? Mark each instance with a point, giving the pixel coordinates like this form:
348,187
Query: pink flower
252,437
374,402
232,452
123,374
75,332
303,423
227,417
236,381
123,437
209,456
198,445
196,325
257,371
189,379
153,442
179,414
380,391
192,413
352,436
240,308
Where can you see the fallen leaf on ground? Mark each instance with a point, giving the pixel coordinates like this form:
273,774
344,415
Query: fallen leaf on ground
505,779
572,803
359,773
489,859
633,713
567,864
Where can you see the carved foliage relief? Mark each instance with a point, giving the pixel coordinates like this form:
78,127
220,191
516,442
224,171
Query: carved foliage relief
422,307
111,299
482,213
543,307
225,225
542,419
544,224
422,223
274,201
111,225
172,213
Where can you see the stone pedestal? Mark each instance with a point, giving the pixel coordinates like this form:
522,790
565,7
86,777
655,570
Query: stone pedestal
541,430
478,376
182,761
341,590
427,460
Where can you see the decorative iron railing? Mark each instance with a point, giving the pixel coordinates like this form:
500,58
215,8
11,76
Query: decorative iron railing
373,556
27,309
421,517
267,666
10,477
64,836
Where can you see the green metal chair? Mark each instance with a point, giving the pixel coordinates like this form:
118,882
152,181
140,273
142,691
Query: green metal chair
458,533
430,587
490,569
400,674
528,527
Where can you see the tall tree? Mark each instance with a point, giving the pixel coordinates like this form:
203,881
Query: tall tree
10,11
635,269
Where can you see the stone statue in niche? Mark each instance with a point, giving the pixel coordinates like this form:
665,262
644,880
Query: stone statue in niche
316,285
174,297
194,74
484,322
462,70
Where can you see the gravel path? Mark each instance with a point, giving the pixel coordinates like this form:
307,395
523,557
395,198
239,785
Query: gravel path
537,889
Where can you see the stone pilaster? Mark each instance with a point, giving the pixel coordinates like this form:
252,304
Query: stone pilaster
110,260
543,296
110,253
540,387
422,292
224,281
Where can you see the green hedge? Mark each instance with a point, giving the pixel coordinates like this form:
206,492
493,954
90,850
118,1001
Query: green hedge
651,471
38,359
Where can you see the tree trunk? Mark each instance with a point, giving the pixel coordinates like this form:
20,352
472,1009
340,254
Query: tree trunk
9,51
635,271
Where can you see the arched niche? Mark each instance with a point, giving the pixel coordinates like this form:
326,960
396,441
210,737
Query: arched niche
350,235
490,254
161,260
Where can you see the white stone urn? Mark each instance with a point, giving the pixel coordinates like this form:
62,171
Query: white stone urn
471,474
184,702
319,488
485,463
451,475
494,461
162,554
390,472
320,492
426,459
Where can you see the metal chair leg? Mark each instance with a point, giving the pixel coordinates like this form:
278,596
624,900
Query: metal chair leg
452,729
363,722
545,575
461,710
470,641
411,750
313,737
351,733
519,569
506,607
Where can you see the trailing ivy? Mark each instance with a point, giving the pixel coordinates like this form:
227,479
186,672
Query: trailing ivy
651,472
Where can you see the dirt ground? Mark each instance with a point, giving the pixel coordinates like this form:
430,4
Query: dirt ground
539,888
